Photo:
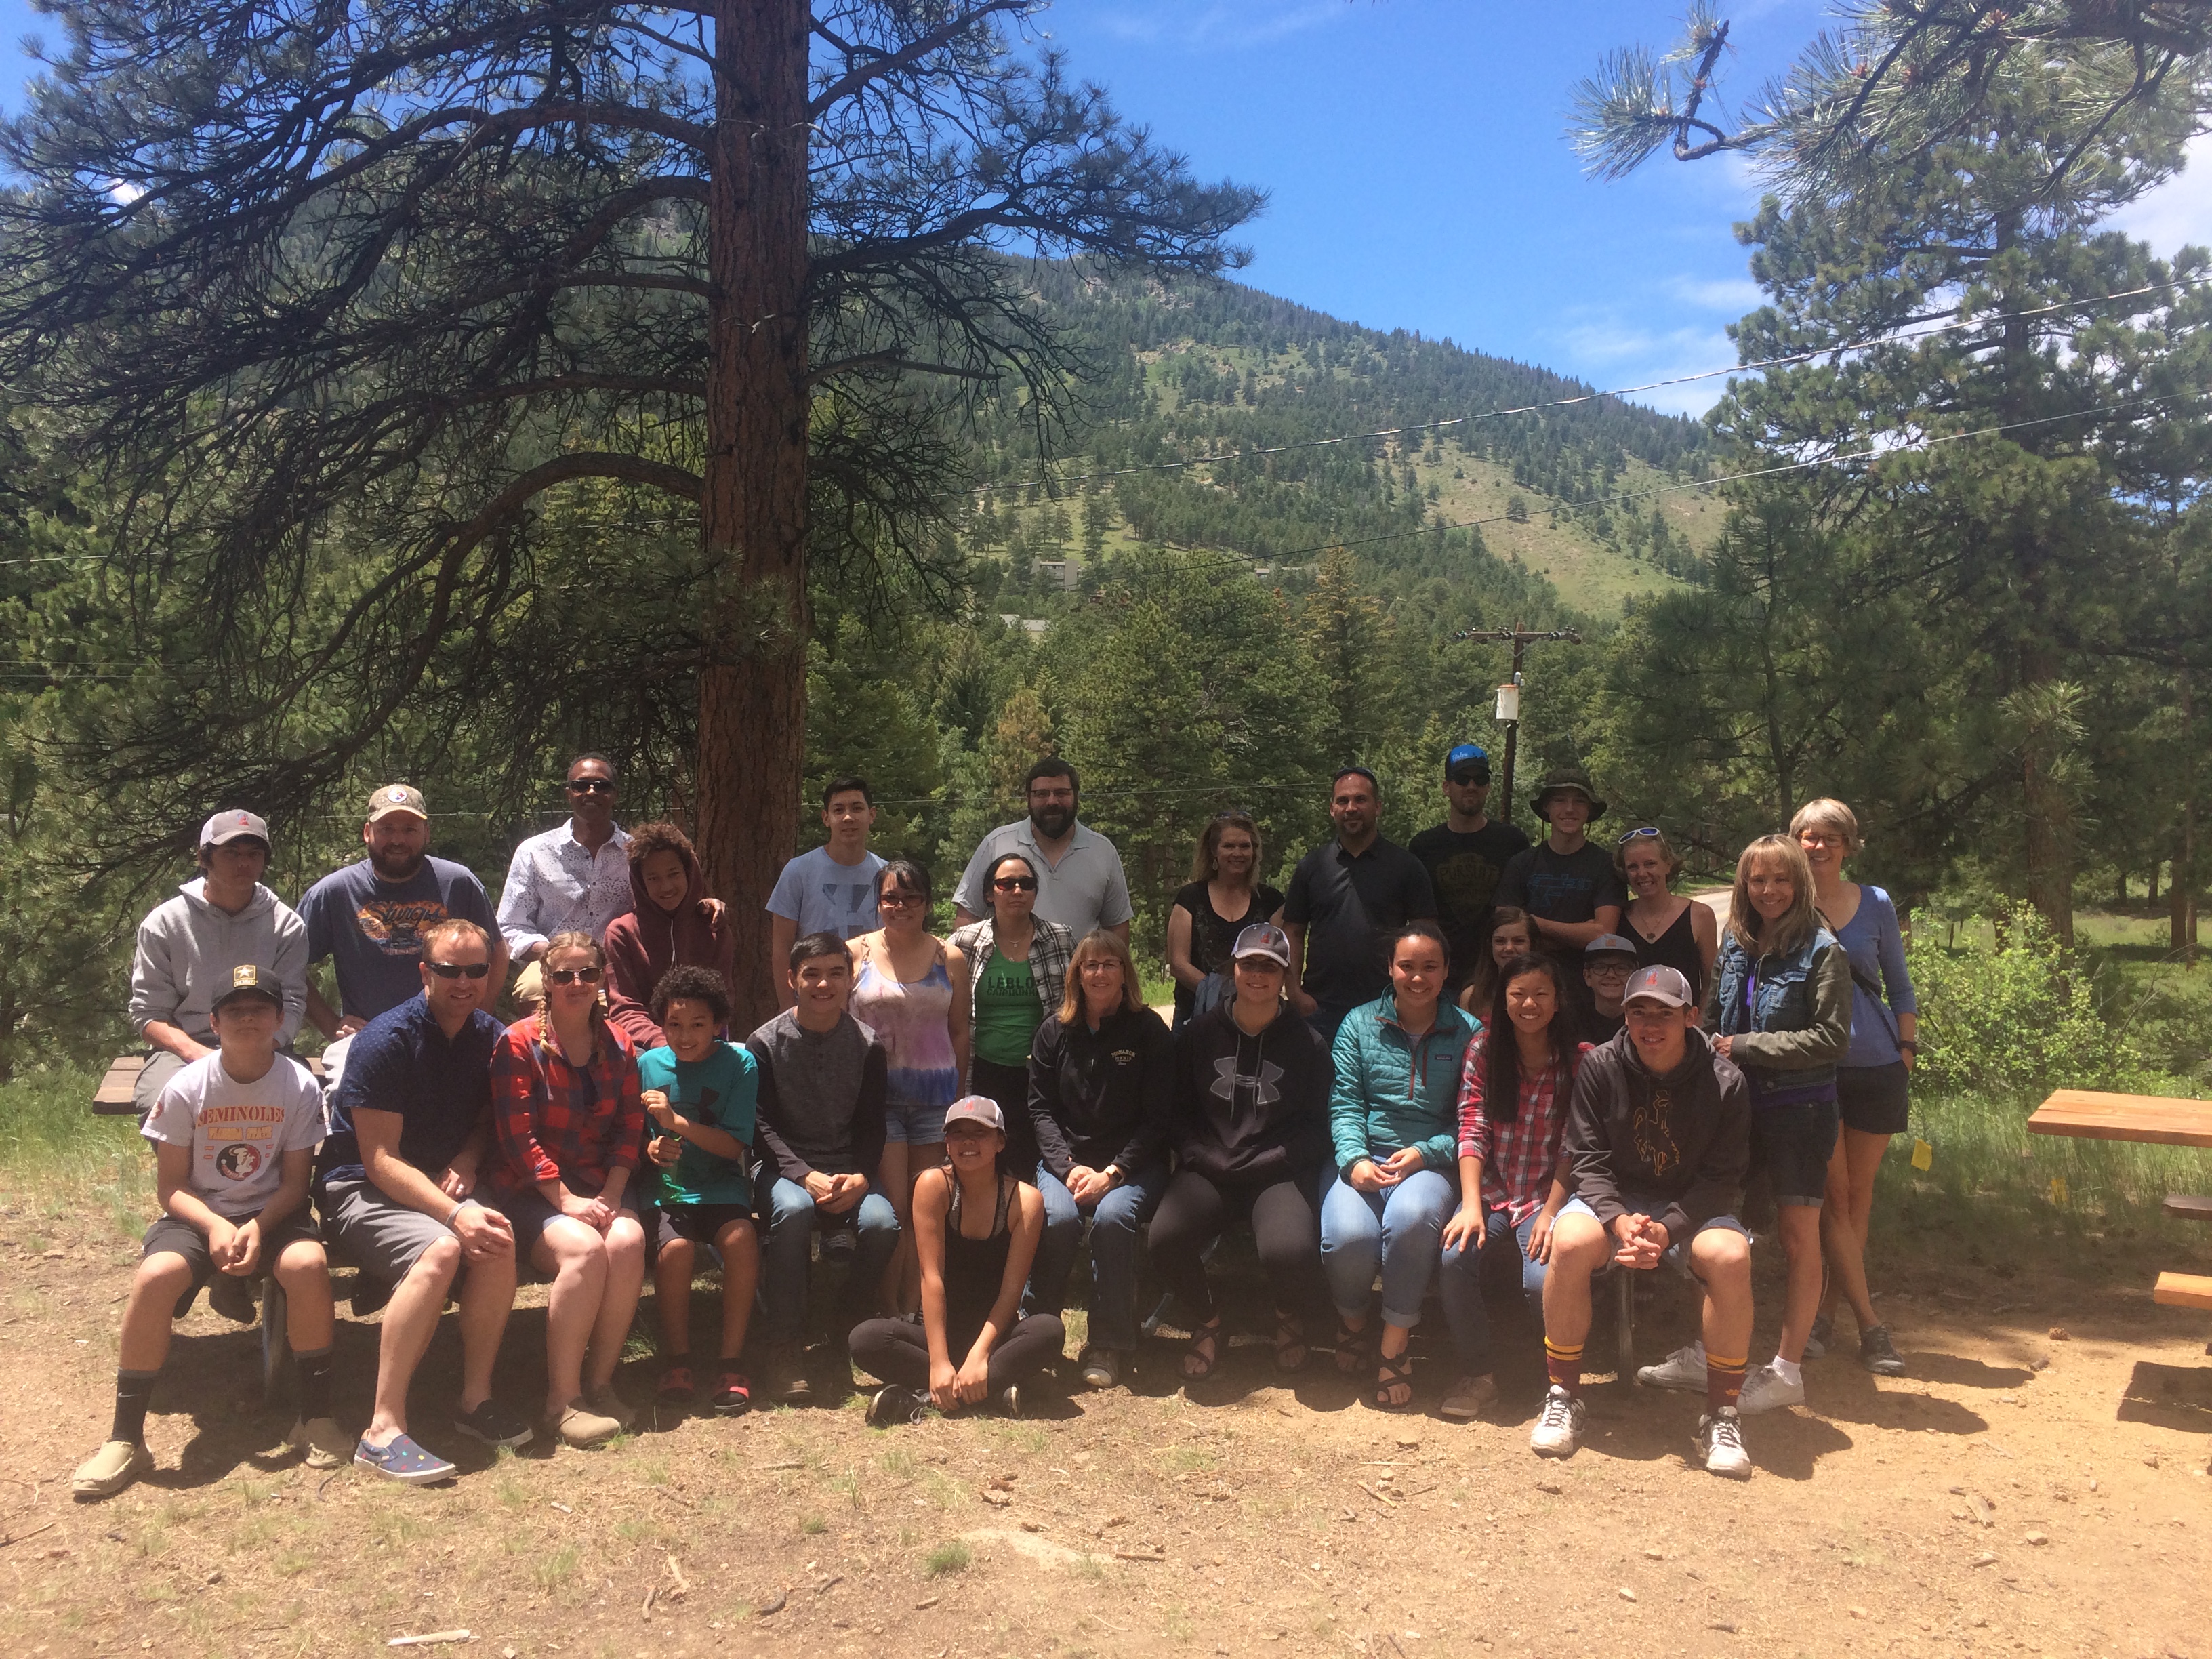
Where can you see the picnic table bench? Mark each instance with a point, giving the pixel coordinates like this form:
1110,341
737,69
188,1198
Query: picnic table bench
2155,1120
112,1098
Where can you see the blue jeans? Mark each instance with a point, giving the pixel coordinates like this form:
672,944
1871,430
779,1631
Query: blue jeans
1399,1227
1461,1287
792,1221
1117,1223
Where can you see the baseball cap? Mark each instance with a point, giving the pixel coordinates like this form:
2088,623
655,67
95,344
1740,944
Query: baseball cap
1263,939
975,1108
1610,945
248,981
1664,985
1470,758
231,826
398,798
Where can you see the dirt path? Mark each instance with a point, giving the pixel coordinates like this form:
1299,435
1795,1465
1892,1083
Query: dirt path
2015,1493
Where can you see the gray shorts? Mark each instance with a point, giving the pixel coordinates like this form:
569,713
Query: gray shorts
153,1077
169,1236
380,1235
1676,1256
531,1215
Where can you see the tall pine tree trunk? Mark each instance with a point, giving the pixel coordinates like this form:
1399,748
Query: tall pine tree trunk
753,703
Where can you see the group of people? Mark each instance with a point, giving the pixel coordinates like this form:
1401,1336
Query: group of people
1406,1063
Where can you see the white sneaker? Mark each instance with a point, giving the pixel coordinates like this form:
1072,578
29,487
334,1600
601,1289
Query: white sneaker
1684,1368
1763,1391
1558,1428
1720,1442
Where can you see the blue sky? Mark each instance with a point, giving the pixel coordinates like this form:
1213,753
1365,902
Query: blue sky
1419,177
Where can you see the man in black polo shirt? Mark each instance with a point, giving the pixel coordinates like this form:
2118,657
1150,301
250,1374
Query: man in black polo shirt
1465,855
1568,887
1344,898
397,1183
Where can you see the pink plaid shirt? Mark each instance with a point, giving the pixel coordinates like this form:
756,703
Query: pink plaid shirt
1517,1158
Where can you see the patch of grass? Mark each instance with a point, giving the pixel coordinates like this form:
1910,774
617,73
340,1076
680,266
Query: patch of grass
552,1571
813,1525
952,1556
899,1465
57,1158
1179,1460
1029,1438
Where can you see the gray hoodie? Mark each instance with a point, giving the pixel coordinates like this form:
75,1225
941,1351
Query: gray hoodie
187,947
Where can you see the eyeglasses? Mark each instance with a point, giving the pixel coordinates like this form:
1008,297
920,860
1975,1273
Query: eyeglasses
590,786
1636,835
901,901
1099,965
1014,883
572,975
459,970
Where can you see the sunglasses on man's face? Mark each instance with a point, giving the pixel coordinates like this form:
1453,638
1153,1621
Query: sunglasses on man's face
572,975
590,786
459,970
1014,883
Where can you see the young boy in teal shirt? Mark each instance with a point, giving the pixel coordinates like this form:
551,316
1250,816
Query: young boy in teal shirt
700,1094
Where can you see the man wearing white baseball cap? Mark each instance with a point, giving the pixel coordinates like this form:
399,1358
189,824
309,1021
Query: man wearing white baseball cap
1658,1139
223,918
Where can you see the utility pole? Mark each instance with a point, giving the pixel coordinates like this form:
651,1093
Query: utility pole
1509,694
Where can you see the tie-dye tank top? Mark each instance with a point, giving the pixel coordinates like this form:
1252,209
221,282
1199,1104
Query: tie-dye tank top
910,1019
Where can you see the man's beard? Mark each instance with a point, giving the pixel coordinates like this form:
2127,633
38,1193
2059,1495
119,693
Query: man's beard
396,867
1052,822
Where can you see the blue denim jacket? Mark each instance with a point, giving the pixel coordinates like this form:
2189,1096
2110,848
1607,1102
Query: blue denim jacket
1801,997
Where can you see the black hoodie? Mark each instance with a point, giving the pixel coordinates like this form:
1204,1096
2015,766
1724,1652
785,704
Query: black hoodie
1250,1110
1682,1142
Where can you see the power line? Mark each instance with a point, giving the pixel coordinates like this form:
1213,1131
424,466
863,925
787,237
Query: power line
1910,332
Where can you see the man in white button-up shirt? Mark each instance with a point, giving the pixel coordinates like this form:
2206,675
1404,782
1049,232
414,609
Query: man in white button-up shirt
574,878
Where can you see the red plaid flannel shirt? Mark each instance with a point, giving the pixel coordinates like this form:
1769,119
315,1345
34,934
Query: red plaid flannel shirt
1517,1158
555,1121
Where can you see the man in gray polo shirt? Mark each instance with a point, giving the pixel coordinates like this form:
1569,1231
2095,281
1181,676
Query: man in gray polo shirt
1079,880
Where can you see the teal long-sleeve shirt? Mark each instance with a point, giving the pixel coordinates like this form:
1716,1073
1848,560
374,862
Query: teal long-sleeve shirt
1393,1091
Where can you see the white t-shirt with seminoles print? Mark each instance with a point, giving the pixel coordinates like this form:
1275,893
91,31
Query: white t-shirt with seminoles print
238,1132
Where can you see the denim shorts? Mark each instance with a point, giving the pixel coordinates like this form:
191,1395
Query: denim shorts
1793,1145
914,1122
1874,1099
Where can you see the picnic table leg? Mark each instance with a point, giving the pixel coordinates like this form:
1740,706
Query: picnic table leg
1624,1327
276,1344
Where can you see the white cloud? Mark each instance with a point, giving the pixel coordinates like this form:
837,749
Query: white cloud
2180,210
1229,23
1734,295
1610,352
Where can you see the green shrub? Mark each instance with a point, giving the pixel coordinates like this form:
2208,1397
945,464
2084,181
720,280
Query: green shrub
2015,1018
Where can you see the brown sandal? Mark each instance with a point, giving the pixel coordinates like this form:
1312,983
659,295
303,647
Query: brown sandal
1392,1374
1290,1350
1204,1352
1351,1346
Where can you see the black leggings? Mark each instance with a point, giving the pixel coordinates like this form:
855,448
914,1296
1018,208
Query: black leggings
1194,1210
1009,1085
897,1350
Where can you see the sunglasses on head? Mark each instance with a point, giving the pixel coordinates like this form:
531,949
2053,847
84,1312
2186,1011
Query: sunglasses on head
590,786
1014,883
1636,835
459,970
572,975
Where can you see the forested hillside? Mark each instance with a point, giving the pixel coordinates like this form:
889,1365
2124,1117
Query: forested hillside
1172,375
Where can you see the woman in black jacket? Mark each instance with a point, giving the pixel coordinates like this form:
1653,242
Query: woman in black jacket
1101,1069
1250,1134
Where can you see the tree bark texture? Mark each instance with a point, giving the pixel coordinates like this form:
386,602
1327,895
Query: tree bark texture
752,698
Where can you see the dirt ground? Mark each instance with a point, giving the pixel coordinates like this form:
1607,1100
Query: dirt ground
2019,1492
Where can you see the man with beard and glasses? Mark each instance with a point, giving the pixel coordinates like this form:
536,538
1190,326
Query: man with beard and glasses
370,919
1079,880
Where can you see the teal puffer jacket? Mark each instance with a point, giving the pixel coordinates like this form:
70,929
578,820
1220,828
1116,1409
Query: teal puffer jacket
1392,1092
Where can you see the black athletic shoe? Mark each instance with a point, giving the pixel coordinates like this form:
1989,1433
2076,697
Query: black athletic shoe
1009,1402
1878,1353
493,1425
895,1405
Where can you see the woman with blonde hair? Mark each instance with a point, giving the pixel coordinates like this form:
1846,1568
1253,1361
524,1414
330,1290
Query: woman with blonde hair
568,1125
1223,897
1870,1082
1667,930
1102,1075
1780,1008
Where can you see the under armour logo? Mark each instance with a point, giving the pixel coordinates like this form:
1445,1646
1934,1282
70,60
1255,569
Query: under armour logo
1260,1090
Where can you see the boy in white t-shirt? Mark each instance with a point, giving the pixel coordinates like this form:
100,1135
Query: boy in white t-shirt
235,1135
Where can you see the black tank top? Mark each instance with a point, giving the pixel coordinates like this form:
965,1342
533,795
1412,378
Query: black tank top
974,1268
1676,948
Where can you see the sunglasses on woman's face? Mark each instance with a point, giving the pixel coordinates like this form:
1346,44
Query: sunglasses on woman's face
1014,883
896,900
572,975
459,970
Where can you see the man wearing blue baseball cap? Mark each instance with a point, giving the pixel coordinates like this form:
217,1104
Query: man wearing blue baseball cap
1465,855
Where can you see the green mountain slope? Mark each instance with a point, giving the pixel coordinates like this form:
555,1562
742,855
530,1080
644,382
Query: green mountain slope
1174,375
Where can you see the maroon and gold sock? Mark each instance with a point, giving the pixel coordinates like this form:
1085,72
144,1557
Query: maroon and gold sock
1565,1366
1723,1379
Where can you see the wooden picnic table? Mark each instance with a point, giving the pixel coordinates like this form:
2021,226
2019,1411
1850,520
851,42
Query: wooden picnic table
2158,1119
